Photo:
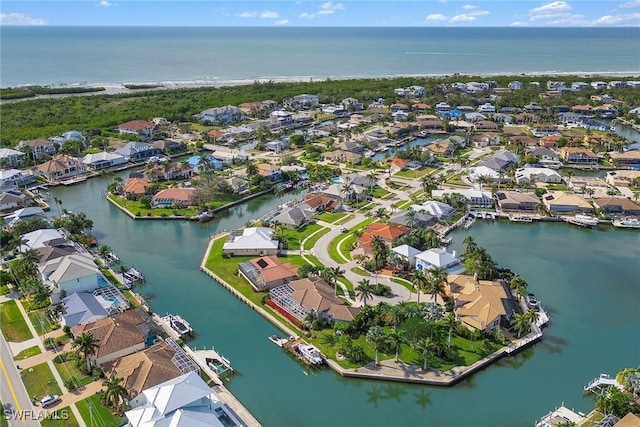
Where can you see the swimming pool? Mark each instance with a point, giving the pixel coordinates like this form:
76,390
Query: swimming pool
337,180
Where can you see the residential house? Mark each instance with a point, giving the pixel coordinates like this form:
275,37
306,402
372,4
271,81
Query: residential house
270,172
72,273
338,192
533,107
172,197
277,146
396,164
413,220
200,164
617,206
281,118
136,150
544,154
443,148
185,401
479,304
300,297
484,173
319,202
530,175
515,85
169,171
606,111
487,108
13,199
486,125
293,217
41,238
221,115
404,253
103,160
18,215
630,158
38,148
585,110
141,128
500,160
61,167
387,232
84,307
119,335
562,202
152,366
474,117
485,139
474,197
524,140
251,241
623,178
305,101
360,180
578,155
432,125
10,157
72,135
517,201
267,272
440,258
54,249
11,179
136,187
257,109
239,185
437,209
344,156
168,146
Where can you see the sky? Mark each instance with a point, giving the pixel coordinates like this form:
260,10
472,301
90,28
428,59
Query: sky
306,13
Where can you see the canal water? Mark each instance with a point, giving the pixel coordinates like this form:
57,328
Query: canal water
587,279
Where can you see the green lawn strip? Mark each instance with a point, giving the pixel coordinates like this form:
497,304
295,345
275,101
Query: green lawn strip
343,220
4,289
417,193
379,192
70,370
411,174
360,271
593,419
60,418
14,327
311,241
39,381
313,260
294,237
348,285
330,216
3,420
333,250
110,277
31,351
40,321
404,283
227,269
91,411
136,208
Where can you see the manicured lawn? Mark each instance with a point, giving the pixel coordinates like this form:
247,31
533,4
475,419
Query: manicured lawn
227,269
333,246
14,327
361,271
39,381
404,283
401,204
593,419
294,237
136,208
92,405
4,289
69,370
310,243
60,418
31,351
379,192
330,216
557,187
40,322
344,220
414,174
348,285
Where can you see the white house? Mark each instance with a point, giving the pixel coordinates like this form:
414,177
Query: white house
306,100
41,238
405,252
486,108
72,273
473,196
222,115
72,135
281,118
10,157
478,172
39,147
515,85
533,175
135,150
251,241
103,160
14,178
137,127
277,146
438,209
439,257
24,213
185,401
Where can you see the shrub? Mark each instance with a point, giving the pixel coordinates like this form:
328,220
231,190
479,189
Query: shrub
67,331
97,373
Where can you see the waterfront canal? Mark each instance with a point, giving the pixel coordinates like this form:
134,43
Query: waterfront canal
587,280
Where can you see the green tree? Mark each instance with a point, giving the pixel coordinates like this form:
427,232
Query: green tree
363,291
419,282
377,338
85,346
425,346
395,340
520,322
436,281
114,394
616,402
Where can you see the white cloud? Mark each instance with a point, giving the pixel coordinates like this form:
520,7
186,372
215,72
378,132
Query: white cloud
249,15
517,24
555,6
20,19
469,7
105,3
629,4
436,17
267,14
331,6
281,22
463,17
630,19
305,15
326,12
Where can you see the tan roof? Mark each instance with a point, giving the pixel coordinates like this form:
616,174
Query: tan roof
516,197
144,369
317,295
554,198
274,269
623,202
35,143
629,155
182,195
478,302
387,232
629,420
136,186
59,163
576,150
136,125
115,333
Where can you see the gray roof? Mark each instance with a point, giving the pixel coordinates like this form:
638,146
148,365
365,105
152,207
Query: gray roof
82,307
420,220
134,147
293,216
500,160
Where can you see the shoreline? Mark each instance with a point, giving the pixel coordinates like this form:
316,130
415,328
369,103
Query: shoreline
112,88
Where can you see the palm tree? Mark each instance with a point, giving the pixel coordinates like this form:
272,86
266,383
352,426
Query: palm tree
395,314
251,169
41,293
450,322
475,335
377,337
372,178
380,213
521,322
518,282
471,245
411,217
419,282
363,291
395,339
532,316
310,319
85,345
425,346
437,280
115,394
103,250
428,184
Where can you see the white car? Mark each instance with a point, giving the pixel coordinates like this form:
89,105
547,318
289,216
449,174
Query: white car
49,400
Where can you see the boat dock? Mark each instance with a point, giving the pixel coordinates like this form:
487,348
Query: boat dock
520,218
292,347
218,364
601,384
561,415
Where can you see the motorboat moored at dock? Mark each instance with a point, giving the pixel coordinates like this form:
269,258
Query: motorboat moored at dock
178,324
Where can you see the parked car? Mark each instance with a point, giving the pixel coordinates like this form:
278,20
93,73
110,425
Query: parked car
343,230
49,400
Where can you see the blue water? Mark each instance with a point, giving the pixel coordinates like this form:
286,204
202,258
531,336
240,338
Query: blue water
336,180
105,55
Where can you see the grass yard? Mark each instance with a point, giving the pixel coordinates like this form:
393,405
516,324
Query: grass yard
31,351
333,249
361,271
330,216
593,419
404,283
344,220
91,406
379,193
14,327
41,322
311,241
557,187
4,289
60,418
348,285
39,381
414,174
70,370
136,208
294,237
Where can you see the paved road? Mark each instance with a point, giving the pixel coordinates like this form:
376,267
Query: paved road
12,392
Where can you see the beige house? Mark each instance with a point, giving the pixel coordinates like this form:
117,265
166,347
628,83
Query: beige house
343,156
267,272
61,166
516,201
562,202
479,304
622,178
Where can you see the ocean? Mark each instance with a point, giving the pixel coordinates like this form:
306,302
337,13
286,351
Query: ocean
112,56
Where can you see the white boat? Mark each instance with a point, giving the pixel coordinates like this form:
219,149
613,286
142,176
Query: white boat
583,220
178,324
626,223
520,218
310,353
469,222
278,340
369,153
